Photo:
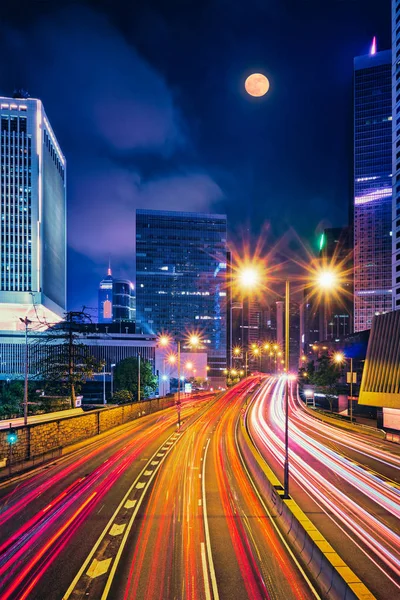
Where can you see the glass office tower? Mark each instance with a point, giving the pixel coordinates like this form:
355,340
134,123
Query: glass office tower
372,187
396,153
32,215
181,276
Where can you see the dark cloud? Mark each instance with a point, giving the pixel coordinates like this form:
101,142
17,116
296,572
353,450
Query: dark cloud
108,107
147,101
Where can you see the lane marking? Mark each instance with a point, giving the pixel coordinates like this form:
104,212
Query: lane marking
126,503
206,528
272,520
147,473
205,572
98,567
154,462
117,529
140,485
199,501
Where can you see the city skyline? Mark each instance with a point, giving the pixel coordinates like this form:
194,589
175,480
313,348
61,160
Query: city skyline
235,161
200,324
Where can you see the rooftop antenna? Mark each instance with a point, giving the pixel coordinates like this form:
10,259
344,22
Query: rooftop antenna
373,47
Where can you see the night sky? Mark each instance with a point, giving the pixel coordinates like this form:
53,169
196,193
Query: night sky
146,99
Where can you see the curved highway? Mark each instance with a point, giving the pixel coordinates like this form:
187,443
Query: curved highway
347,483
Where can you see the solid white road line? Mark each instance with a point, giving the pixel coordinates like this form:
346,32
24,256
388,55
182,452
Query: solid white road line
206,529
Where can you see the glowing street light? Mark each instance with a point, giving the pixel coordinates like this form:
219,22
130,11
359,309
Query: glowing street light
164,340
194,340
249,277
326,279
339,358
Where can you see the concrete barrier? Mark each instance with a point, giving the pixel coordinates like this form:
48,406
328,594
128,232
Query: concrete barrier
333,577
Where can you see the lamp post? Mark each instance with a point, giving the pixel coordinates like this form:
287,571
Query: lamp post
340,358
164,341
104,384
286,464
112,379
325,279
26,322
138,375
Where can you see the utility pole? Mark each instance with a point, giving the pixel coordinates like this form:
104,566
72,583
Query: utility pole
138,376
178,404
351,389
287,330
26,322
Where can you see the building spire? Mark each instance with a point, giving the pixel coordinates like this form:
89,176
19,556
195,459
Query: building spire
373,47
109,268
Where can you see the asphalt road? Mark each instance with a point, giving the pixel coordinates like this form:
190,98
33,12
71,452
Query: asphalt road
203,533
51,518
147,512
347,483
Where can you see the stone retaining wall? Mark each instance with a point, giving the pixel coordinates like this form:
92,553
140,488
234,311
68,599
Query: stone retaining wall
36,439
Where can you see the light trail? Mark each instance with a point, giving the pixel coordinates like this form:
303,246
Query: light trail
312,463
31,549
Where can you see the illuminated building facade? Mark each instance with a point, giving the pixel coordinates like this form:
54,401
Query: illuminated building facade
336,248
372,186
32,215
116,300
181,276
396,153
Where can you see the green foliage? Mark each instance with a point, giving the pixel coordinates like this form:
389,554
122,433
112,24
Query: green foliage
11,400
126,377
63,362
325,376
122,396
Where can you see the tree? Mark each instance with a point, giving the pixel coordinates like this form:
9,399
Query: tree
63,362
126,377
326,377
11,399
122,396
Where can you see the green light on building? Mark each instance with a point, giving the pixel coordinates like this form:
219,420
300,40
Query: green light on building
322,241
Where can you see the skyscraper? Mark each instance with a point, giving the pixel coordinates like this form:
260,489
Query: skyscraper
336,248
372,186
181,276
32,215
396,153
116,300
105,299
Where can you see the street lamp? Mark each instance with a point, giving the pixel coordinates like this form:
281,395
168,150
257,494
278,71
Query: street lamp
194,341
340,358
112,378
325,279
26,322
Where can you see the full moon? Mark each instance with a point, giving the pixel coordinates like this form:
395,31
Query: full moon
256,85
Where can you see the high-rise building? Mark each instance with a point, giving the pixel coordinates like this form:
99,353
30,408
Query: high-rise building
181,278
396,153
372,186
32,215
116,300
336,248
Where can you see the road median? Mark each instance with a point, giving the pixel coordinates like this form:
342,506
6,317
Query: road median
335,580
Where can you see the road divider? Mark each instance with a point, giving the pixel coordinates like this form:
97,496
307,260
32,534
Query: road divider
335,580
